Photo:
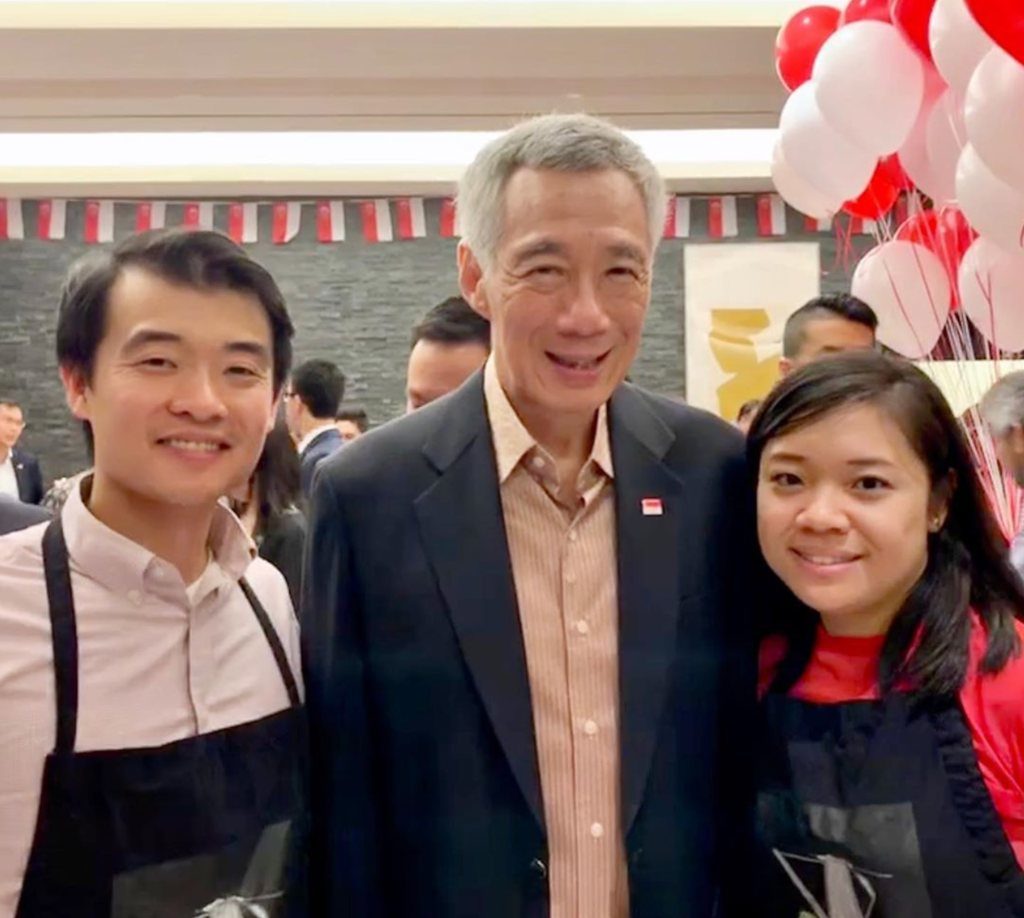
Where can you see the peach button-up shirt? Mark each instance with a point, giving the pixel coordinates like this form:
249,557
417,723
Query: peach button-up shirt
158,660
563,554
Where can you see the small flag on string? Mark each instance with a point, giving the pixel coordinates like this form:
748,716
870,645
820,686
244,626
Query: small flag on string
449,224
330,221
722,217
771,215
99,221
287,219
150,215
198,215
677,218
12,224
863,227
412,223
52,219
243,220
376,220
817,226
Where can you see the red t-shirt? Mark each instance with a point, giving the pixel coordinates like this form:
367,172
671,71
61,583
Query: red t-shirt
845,669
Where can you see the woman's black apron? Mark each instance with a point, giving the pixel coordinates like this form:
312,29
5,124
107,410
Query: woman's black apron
877,808
209,825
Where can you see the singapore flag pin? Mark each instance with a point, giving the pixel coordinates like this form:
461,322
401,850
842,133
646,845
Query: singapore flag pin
651,506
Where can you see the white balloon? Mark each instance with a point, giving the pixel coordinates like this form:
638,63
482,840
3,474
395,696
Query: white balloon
914,153
869,84
820,155
991,280
797,193
992,113
945,137
994,209
958,43
909,290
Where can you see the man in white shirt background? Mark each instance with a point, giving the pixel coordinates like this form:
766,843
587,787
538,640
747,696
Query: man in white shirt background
20,476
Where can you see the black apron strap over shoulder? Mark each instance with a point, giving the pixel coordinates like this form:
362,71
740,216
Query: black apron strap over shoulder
276,648
65,638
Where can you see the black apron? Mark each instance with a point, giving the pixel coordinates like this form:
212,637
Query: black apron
208,825
878,808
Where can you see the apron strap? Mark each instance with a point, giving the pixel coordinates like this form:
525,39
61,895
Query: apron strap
276,648
64,634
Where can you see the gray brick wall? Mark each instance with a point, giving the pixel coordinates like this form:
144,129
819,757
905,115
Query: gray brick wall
351,302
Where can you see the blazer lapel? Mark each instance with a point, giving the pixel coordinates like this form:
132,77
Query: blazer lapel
463,531
20,475
651,558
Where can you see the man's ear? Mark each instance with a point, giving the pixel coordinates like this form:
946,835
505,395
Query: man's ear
76,391
1015,436
471,276
274,409
785,366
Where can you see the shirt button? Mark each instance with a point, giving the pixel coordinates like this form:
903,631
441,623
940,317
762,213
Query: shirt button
537,462
570,578
597,830
573,535
590,727
582,627
135,596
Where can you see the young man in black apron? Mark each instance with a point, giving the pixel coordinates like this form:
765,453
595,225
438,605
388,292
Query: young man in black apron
151,728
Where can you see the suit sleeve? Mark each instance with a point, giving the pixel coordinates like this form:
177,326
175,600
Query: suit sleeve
748,578
345,867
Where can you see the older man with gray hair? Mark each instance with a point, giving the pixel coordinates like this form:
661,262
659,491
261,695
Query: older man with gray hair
529,671
1002,409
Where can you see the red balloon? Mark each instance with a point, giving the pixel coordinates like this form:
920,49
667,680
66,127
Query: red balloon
1003,20
946,232
876,200
800,40
891,167
911,18
857,10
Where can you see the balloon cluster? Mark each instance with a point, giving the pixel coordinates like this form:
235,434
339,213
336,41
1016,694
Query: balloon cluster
926,97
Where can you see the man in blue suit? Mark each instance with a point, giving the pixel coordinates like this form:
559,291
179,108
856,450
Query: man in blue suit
311,403
20,476
530,669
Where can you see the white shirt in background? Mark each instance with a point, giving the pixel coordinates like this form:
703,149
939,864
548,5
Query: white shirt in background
8,480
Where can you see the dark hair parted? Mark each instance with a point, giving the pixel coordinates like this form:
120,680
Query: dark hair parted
926,647
320,385
354,413
828,306
453,322
192,258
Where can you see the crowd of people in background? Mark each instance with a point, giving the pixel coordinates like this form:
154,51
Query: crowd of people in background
548,644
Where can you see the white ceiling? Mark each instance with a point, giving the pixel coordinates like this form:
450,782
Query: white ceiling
343,67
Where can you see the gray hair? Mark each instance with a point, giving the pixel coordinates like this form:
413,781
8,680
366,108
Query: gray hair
1002,408
561,143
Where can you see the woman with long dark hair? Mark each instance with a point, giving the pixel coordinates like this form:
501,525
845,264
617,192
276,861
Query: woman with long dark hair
892,750
269,508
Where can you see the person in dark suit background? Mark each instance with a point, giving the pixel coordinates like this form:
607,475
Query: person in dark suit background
311,402
449,344
529,661
15,515
20,475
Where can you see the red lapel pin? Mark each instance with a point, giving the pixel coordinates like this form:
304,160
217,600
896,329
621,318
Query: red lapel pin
651,506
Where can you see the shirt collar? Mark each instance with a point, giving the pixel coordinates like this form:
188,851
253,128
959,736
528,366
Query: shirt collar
512,441
312,435
121,565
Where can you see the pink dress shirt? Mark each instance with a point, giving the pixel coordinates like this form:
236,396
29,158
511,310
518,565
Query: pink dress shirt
158,660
